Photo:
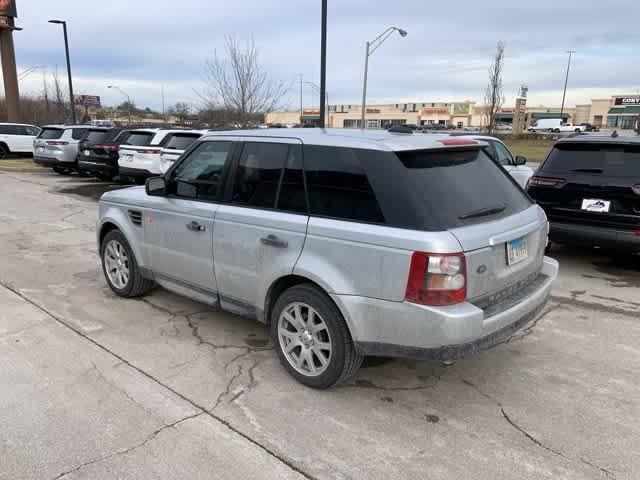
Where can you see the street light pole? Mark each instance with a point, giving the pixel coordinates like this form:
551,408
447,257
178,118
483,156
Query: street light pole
372,47
129,103
66,48
566,81
323,63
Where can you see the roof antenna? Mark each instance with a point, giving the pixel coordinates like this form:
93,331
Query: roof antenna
614,134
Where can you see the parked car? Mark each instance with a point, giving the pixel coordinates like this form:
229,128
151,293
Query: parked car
516,166
175,145
57,146
503,127
590,128
569,127
329,252
139,154
99,152
17,138
545,125
589,186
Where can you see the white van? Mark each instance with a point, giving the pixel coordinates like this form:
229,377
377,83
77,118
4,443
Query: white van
17,138
546,125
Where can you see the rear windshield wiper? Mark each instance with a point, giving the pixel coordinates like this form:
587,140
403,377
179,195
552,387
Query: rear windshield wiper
588,170
483,212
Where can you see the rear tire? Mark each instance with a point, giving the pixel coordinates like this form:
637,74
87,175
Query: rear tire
312,339
121,268
4,151
62,170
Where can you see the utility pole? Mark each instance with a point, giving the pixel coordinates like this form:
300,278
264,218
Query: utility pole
163,110
566,81
301,107
7,51
323,63
66,48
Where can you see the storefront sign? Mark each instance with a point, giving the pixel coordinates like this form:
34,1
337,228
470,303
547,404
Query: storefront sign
626,101
435,111
373,110
311,111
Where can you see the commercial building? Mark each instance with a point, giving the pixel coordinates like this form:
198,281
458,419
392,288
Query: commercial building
617,111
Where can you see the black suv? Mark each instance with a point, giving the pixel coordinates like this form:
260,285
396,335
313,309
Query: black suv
98,152
589,186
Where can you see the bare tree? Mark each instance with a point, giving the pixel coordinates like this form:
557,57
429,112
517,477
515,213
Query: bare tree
493,97
238,82
181,110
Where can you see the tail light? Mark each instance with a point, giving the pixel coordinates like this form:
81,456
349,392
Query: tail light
636,189
437,279
109,147
57,143
537,181
151,151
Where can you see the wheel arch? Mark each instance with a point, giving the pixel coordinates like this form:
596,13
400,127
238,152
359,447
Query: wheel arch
116,220
284,283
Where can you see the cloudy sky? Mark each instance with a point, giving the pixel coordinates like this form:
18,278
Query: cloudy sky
140,45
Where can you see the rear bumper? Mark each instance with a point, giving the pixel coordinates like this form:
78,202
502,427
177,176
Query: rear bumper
403,329
590,236
53,160
90,165
136,173
45,161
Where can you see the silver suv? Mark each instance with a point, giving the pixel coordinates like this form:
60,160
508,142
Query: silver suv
346,243
57,146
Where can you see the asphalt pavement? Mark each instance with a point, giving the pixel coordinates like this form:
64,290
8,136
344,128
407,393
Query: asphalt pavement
95,386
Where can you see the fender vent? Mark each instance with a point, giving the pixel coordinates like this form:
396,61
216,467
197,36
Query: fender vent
136,217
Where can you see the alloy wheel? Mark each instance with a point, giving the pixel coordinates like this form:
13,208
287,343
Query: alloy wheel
116,263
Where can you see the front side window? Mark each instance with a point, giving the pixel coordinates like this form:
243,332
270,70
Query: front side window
258,174
199,175
338,186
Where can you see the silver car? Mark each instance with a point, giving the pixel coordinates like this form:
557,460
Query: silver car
57,146
347,243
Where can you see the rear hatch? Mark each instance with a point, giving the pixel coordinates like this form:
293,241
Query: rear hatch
47,141
174,146
138,147
501,232
591,184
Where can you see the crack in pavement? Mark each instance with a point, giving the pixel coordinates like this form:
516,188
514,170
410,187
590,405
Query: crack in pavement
530,437
125,451
528,330
598,307
251,385
265,448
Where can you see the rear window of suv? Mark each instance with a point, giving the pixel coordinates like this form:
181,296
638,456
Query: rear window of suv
181,141
78,133
51,133
139,139
96,136
613,160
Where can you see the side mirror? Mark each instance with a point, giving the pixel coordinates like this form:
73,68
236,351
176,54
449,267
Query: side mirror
156,186
521,160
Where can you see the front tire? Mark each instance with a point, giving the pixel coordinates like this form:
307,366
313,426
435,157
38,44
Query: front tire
121,268
312,339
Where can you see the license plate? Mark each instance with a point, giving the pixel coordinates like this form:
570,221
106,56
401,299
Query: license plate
40,149
87,153
595,205
517,251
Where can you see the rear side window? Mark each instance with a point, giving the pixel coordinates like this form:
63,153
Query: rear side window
451,188
51,133
610,160
139,139
79,133
32,131
96,136
258,174
181,141
338,185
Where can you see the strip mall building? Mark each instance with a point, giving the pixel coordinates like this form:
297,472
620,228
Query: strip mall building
618,111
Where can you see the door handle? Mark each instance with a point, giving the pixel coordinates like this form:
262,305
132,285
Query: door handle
196,227
273,241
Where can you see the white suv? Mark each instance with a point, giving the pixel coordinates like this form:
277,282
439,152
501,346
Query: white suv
17,138
140,154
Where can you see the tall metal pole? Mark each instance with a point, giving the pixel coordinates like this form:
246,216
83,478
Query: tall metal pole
301,108
71,97
9,72
323,63
363,125
566,81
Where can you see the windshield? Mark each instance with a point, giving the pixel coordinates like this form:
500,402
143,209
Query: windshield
611,160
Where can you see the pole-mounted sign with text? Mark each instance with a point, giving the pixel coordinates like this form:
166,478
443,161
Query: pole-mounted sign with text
8,8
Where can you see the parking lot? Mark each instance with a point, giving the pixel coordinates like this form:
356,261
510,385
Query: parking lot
95,386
